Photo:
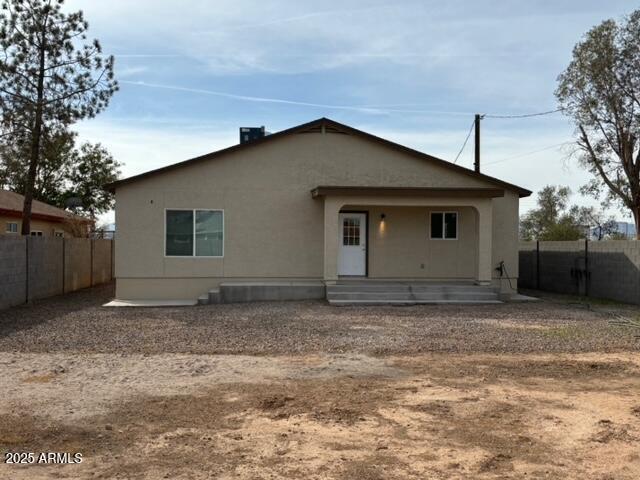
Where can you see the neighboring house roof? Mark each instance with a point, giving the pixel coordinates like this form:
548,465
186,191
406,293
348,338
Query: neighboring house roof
329,126
11,204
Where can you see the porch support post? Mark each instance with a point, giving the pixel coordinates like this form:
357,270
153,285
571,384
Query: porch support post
485,234
331,226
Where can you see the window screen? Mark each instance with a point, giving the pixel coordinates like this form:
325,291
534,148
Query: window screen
208,233
179,233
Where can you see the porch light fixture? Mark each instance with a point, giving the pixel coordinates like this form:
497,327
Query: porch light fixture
382,217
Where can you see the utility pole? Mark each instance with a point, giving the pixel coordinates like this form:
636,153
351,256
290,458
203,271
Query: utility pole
476,163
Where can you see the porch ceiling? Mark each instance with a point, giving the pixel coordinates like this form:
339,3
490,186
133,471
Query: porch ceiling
325,190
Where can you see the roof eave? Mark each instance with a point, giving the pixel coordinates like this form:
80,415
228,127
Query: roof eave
354,190
522,192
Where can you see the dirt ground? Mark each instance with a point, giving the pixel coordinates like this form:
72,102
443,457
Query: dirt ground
323,414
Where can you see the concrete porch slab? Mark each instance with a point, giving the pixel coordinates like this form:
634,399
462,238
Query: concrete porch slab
519,298
150,303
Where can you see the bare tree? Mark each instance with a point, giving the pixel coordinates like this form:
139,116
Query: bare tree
600,91
48,76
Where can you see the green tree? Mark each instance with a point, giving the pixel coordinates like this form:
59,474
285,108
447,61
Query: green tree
600,91
56,157
617,236
65,171
49,78
602,225
92,168
552,219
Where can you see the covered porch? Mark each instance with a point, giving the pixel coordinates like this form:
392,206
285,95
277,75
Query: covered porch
407,235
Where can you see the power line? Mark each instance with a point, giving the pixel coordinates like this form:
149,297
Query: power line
526,115
465,141
529,153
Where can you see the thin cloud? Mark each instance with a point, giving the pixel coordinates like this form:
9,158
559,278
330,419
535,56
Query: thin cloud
295,18
248,98
129,71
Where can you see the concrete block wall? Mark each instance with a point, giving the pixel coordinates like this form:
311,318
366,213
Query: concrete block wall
13,270
46,267
559,267
102,269
606,269
615,270
528,266
77,257
38,267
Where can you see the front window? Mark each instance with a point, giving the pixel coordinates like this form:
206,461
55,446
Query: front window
194,233
12,227
444,225
36,233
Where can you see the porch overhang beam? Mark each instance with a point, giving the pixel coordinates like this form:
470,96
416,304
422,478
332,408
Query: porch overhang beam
428,192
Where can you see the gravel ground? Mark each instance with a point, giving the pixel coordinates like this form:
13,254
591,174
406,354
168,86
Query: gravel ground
77,323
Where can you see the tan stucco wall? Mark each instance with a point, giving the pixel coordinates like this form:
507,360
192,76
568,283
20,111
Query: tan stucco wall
401,247
273,227
505,239
483,207
47,228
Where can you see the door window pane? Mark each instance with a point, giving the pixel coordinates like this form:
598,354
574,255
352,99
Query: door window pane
179,239
209,235
351,231
436,225
451,225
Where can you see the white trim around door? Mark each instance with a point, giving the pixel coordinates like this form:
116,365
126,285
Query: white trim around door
352,251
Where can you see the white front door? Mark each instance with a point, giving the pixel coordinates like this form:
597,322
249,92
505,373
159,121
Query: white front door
352,255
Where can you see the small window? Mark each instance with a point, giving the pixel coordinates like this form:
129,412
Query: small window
12,227
194,233
444,225
36,233
58,233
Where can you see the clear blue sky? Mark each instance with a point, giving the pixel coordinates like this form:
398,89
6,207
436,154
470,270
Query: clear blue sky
414,72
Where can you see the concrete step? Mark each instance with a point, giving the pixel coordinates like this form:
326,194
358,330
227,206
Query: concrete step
214,296
399,287
413,291
409,302
427,296
368,288
408,293
453,288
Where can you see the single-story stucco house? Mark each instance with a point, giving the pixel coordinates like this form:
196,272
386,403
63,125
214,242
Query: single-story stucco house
46,220
317,205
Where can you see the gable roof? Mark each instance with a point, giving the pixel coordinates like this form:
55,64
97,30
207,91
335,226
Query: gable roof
11,204
331,126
